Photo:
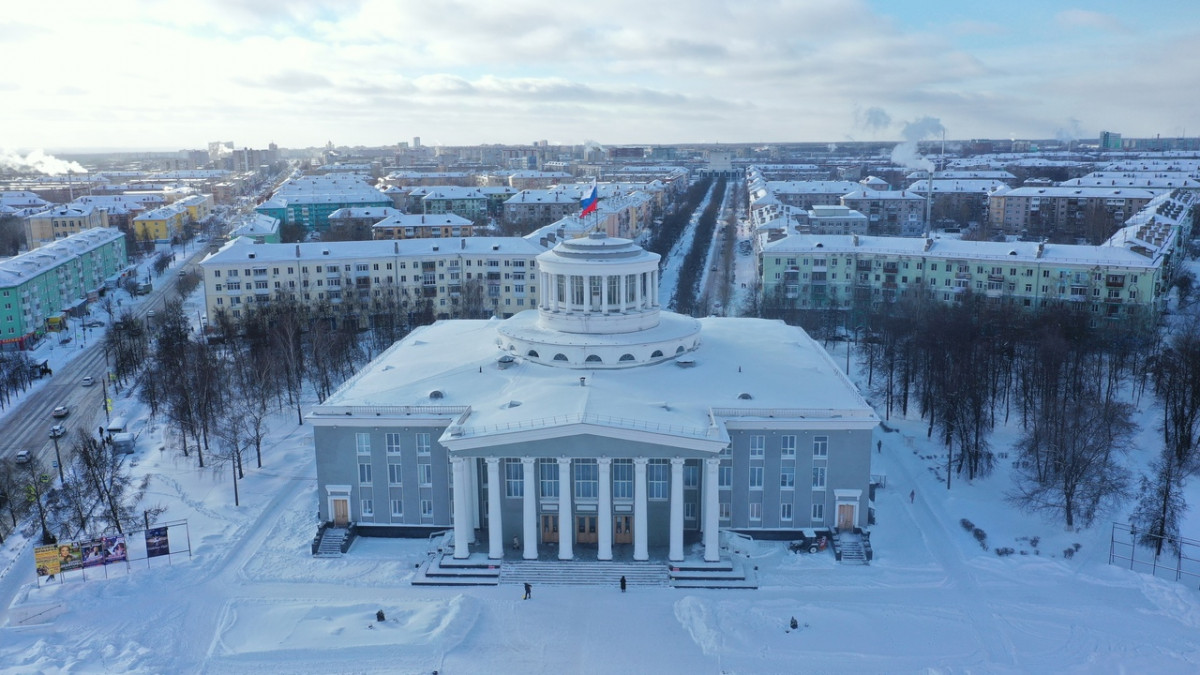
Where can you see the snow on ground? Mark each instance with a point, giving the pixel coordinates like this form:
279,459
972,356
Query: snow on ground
251,599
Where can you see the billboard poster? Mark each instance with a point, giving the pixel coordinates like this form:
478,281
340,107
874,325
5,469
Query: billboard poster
70,557
47,561
103,550
157,543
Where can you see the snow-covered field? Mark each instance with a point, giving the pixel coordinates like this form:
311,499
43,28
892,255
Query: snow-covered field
250,597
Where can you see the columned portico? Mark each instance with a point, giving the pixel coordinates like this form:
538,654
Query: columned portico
675,553
605,507
566,521
529,520
712,542
495,525
641,550
462,509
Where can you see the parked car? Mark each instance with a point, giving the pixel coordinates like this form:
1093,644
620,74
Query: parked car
58,431
87,381
61,411
94,323
810,541
23,457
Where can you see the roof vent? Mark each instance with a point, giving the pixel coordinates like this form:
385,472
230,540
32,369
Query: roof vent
686,362
744,396
436,395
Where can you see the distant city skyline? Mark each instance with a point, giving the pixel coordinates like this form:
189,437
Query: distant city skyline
142,74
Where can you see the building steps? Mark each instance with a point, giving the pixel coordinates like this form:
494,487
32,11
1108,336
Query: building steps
331,543
583,573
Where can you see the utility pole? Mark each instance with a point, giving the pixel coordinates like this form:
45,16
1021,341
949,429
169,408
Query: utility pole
58,458
104,403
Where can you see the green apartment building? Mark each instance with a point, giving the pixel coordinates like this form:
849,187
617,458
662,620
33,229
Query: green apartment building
40,289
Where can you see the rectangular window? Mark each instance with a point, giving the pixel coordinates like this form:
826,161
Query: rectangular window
787,446
657,471
514,478
397,508
392,441
689,510
820,446
426,508
785,511
818,478
587,479
368,508
758,445
395,474
422,444
787,477
725,476
723,511
756,477
818,513
425,475
622,475
755,510
362,443
364,474
548,477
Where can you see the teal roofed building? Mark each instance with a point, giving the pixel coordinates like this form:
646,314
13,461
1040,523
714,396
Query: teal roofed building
309,200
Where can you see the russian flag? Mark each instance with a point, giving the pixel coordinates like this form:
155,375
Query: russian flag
589,202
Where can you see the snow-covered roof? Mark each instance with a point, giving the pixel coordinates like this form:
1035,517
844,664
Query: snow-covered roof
957,249
238,250
759,366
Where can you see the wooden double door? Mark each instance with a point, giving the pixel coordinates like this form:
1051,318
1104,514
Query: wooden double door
587,529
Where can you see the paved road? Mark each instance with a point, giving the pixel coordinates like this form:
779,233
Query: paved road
27,426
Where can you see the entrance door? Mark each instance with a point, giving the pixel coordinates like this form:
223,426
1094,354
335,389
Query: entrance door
585,529
549,528
622,529
341,512
845,516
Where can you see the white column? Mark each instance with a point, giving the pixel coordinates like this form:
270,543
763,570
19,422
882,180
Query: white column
566,521
675,554
472,472
604,293
606,515
495,525
529,526
641,551
624,303
712,541
462,509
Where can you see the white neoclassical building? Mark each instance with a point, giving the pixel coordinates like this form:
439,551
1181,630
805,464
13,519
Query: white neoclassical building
595,426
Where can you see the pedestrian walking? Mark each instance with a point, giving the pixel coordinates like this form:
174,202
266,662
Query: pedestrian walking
878,446
528,591
912,494
622,584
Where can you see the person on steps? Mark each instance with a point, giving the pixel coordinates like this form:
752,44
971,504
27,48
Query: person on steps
528,591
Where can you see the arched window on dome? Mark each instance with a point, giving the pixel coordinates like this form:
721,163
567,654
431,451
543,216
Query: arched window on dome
657,354
593,358
560,357
679,349
532,354
626,357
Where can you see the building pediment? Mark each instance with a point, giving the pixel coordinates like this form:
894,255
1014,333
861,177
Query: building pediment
565,431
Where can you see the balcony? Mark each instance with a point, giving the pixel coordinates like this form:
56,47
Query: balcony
996,278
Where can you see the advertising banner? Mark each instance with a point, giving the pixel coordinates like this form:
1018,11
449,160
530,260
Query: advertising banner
103,550
47,561
157,543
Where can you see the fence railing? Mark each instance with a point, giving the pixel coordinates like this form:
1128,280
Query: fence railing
1174,558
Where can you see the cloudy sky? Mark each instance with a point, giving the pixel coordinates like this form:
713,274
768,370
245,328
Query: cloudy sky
159,74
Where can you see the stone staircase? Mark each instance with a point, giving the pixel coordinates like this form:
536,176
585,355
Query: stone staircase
583,573
851,549
331,543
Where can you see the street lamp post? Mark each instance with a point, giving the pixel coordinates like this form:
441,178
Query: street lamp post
58,458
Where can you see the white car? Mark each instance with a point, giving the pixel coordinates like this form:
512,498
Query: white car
87,381
23,457
61,411
58,431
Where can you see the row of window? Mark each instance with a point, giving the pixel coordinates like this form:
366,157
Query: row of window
391,442
725,512
359,267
